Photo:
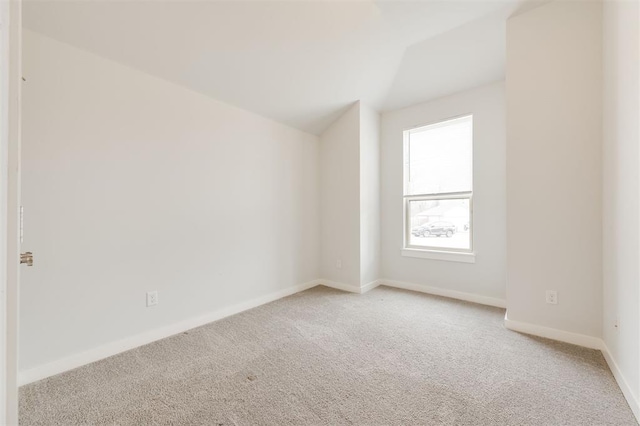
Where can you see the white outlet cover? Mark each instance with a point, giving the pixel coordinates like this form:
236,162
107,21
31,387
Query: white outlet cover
152,298
552,297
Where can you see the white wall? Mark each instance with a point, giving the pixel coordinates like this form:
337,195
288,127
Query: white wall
621,190
350,198
369,194
554,133
340,199
487,276
133,184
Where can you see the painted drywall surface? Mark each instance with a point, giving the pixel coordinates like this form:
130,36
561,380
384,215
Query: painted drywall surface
486,277
554,133
132,184
470,56
369,194
301,71
621,189
340,199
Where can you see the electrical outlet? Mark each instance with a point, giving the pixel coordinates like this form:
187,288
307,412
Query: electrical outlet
616,324
552,297
152,298
339,263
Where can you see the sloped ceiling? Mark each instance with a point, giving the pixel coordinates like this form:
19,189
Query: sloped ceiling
457,60
297,62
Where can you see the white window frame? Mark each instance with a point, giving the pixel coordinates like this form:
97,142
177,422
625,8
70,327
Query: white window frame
432,252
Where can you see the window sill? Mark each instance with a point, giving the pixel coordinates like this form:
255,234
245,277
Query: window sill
450,256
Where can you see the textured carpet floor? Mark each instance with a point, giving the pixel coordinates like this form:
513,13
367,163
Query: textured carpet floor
324,357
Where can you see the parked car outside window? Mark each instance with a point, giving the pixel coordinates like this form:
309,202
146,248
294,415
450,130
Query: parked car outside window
435,229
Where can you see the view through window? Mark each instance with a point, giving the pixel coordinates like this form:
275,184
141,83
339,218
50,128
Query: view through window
438,186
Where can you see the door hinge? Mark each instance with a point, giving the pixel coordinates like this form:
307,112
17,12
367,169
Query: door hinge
26,258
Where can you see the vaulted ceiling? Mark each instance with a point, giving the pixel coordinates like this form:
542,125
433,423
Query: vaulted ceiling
297,62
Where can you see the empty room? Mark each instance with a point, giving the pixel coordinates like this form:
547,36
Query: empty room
349,212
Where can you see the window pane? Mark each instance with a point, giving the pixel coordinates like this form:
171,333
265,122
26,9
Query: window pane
440,158
442,224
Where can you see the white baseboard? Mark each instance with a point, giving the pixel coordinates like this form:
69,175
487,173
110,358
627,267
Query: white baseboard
114,348
553,333
453,294
339,286
370,286
587,342
627,391
349,287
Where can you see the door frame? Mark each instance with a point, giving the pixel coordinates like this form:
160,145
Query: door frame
10,134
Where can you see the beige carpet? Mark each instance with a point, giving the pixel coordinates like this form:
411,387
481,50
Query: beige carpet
324,357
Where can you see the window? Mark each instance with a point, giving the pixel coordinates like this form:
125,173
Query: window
438,188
